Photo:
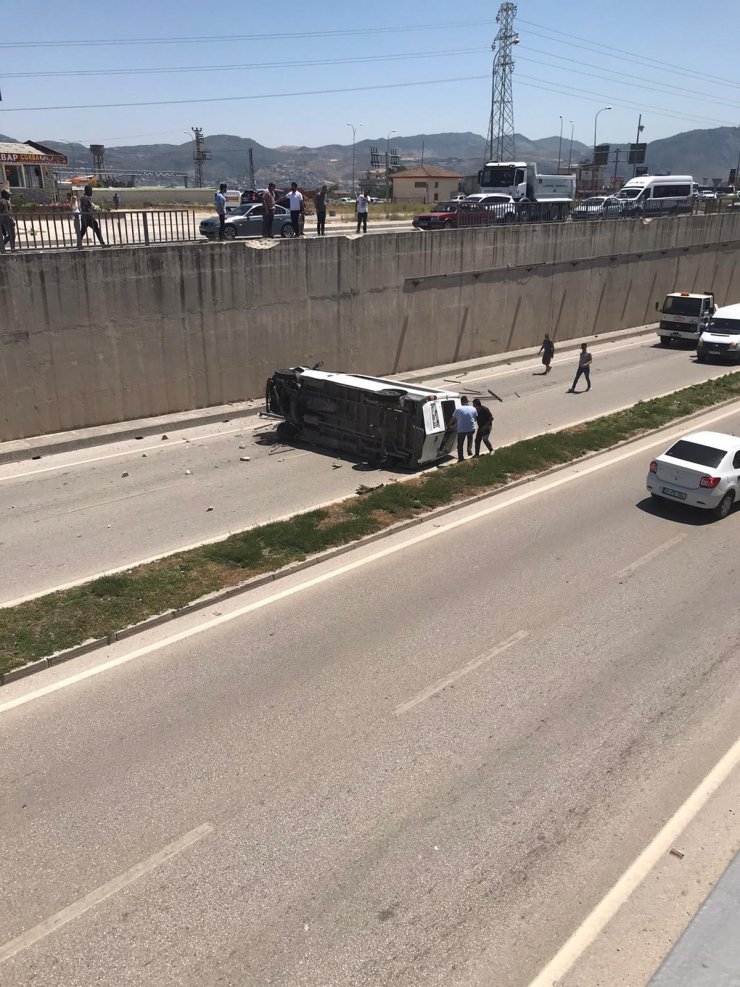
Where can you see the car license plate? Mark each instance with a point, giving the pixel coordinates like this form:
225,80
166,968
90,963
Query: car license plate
678,494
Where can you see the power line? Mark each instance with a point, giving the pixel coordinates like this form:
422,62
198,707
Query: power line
280,36
624,55
249,66
252,96
625,104
670,91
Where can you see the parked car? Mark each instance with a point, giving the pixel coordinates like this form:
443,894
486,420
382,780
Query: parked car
701,470
708,195
247,221
346,198
597,207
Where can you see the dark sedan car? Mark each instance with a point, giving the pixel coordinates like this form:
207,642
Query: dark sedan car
597,207
247,221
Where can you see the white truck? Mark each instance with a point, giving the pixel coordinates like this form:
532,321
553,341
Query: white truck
522,182
683,315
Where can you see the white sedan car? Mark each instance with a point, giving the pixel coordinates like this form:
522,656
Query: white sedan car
701,470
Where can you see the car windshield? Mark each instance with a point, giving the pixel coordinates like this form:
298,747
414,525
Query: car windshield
727,327
446,207
628,193
695,452
675,305
595,201
501,177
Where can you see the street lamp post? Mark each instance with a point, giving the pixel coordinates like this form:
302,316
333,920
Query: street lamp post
570,151
387,186
354,129
593,170
560,144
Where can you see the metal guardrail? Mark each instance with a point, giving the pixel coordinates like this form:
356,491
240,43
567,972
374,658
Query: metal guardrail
52,229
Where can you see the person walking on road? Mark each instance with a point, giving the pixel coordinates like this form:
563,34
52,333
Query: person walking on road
221,210
296,206
362,207
268,211
465,418
87,219
7,223
321,211
584,369
548,352
485,424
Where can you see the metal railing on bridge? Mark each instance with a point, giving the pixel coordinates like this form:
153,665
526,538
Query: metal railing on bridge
55,229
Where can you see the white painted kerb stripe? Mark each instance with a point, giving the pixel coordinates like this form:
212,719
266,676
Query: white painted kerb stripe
95,897
613,900
448,680
629,569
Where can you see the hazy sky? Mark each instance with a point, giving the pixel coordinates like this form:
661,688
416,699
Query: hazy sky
661,57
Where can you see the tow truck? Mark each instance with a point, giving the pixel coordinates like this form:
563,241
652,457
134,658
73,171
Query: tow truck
683,315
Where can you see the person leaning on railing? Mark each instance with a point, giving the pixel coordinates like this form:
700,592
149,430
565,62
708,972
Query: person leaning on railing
7,223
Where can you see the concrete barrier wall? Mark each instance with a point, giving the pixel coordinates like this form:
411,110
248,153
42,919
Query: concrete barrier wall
104,336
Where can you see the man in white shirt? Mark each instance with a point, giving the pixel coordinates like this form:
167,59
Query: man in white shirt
221,210
465,418
362,212
295,204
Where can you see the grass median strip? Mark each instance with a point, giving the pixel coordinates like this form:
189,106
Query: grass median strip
63,620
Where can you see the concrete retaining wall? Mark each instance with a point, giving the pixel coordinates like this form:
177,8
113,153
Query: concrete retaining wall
104,336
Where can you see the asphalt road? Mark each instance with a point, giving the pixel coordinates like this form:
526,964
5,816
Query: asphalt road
73,516
424,763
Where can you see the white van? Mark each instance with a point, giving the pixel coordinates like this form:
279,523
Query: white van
721,338
652,195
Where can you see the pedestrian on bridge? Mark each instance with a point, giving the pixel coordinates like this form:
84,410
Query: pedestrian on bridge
362,209
584,369
87,219
485,424
321,211
268,211
465,418
296,206
7,223
220,202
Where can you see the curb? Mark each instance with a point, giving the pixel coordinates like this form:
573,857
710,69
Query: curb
256,582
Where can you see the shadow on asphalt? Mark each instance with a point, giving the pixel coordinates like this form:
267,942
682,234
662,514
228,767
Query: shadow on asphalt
693,517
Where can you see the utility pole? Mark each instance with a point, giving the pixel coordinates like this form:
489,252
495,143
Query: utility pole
560,144
422,154
640,129
251,168
387,170
616,166
199,155
570,152
354,134
500,145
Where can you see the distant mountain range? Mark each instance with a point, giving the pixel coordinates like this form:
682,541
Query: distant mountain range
705,154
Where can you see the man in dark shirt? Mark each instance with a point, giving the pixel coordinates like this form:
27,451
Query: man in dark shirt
7,223
321,211
485,424
548,352
268,211
87,218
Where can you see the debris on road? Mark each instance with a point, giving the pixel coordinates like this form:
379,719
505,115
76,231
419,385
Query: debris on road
676,853
208,509
124,475
494,395
364,489
245,459
188,472
144,456
336,466
165,437
242,445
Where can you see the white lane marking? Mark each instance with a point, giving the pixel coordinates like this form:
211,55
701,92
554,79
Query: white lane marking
88,901
649,556
130,452
499,504
635,874
448,680
492,374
